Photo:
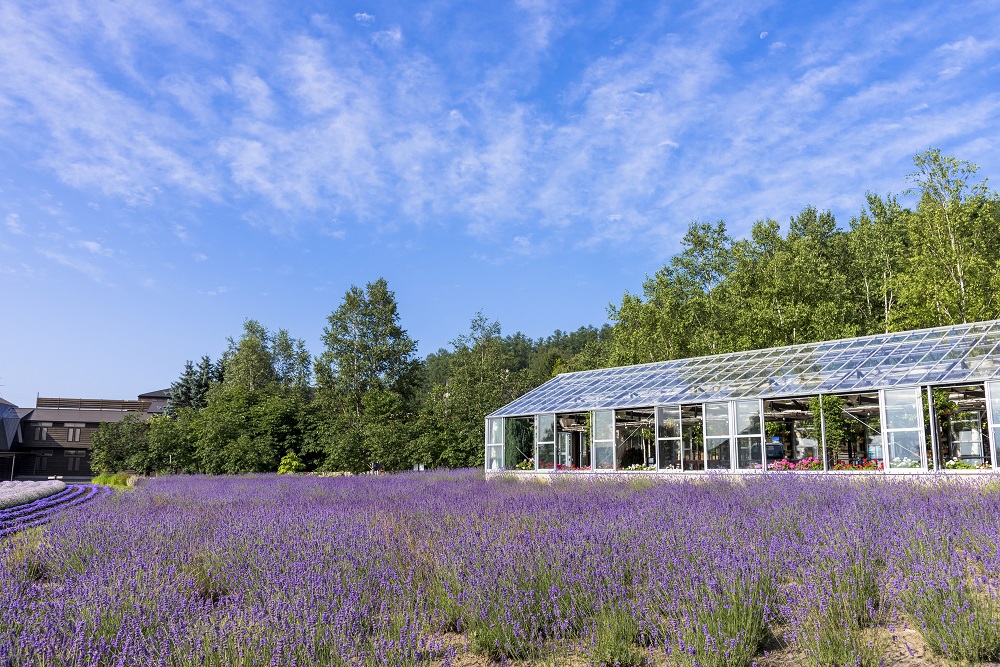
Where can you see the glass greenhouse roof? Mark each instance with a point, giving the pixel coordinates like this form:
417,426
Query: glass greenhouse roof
944,355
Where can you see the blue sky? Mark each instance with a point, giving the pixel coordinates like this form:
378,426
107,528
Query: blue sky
168,169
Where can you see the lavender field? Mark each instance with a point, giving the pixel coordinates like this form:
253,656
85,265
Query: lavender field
449,569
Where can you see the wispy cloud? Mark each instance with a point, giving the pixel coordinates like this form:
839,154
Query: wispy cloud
391,37
95,248
88,269
13,223
441,122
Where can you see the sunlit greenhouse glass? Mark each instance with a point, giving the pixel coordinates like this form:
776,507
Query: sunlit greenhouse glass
948,355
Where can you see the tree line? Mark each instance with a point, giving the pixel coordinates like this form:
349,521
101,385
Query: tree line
367,401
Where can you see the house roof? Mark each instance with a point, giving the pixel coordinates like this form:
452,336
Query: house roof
86,416
158,394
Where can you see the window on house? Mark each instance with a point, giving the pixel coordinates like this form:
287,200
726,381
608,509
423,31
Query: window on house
73,459
73,432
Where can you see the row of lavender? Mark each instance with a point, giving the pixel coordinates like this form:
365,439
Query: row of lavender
387,571
41,511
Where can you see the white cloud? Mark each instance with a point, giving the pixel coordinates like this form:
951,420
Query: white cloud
13,223
322,120
200,257
86,268
386,38
95,248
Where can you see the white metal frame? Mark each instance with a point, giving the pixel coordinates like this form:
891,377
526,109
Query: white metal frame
538,442
501,444
594,442
734,436
704,431
887,432
679,438
992,424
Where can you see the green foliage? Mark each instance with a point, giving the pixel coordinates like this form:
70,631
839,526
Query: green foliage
953,267
367,379
123,445
616,638
480,381
833,422
191,389
261,358
117,480
290,464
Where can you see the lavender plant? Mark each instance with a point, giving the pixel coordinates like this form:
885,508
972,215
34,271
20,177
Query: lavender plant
412,569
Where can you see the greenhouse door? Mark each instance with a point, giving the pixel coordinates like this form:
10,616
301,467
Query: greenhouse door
903,429
993,419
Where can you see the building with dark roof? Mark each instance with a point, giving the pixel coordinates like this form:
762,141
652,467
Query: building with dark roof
53,438
903,402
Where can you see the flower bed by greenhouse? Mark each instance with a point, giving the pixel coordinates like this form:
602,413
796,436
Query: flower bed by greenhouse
421,569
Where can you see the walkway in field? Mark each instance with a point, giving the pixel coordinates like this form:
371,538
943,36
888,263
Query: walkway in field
41,511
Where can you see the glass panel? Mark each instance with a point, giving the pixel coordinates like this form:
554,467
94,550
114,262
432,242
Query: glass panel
604,425
493,457
564,451
668,422
904,449
996,446
670,454
902,408
495,433
546,428
694,451
994,393
906,359
519,445
635,443
716,419
545,455
718,453
748,417
748,454
604,455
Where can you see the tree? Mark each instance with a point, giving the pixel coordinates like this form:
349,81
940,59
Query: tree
683,311
123,445
191,389
878,249
250,361
366,348
785,290
954,236
244,431
480,382
367,378
292,362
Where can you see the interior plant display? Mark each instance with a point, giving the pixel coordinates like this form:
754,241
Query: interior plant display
809,463
863,465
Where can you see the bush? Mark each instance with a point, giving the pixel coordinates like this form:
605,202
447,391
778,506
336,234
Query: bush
118,480
291,464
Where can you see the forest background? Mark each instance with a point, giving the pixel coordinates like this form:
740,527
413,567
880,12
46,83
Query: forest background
367,401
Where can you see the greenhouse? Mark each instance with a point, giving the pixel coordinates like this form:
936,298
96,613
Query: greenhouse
902,402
